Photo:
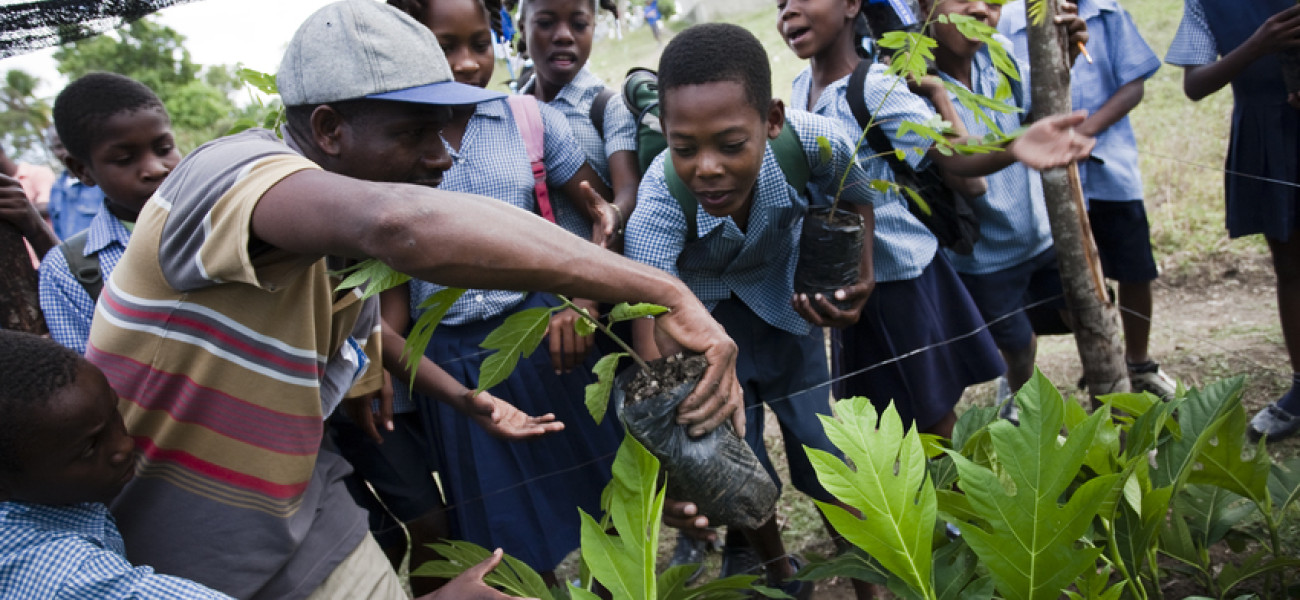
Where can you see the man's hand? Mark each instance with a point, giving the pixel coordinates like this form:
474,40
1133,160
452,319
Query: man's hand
686,517
469,585
821,312
1052,142
718,394
502,420
568,349
371,409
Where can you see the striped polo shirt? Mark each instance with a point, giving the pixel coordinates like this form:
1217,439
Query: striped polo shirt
217,345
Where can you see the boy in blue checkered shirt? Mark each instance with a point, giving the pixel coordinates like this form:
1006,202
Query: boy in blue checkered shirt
64,452
118,136
718,115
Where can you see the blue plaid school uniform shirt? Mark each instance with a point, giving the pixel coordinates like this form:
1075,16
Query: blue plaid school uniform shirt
903,246
493,162
756,265
575,100
1119,56
1194,43
68,308
75,551
1013,215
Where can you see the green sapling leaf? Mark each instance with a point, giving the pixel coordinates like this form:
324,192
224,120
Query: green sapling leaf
824,152
264,82
920,202
517,337
584,327
626,312
372,273
434,307
598,391
880,185
512,575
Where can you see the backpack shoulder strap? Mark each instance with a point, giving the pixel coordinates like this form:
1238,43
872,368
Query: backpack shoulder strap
876,137
528,117
84,268
684,198
598,110
790,154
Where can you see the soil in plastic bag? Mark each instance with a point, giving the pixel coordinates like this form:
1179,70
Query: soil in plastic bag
1290,60
829,253
716,471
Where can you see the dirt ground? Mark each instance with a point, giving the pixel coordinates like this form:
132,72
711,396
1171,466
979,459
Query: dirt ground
1216,321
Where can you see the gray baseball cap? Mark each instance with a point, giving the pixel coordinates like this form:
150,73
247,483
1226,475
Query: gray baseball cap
366,49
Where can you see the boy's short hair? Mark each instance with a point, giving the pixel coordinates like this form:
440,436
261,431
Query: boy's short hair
35,368
416,9
717,52
82,108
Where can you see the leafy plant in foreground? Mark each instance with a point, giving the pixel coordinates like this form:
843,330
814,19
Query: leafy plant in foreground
1068,503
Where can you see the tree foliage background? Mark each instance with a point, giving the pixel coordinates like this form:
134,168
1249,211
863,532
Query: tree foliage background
198,97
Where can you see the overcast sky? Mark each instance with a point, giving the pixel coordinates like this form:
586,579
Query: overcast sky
253,32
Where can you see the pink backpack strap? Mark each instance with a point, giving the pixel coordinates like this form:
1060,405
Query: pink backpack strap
529,119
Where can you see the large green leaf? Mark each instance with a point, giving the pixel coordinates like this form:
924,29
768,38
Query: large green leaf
512,575
1220,462
889,483
434,307
1200,415
517,337
1138,519
1284,484
597,392
625,562
1029,539
373,274
954,571
1211,512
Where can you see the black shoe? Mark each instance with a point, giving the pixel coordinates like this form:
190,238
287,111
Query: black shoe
689,551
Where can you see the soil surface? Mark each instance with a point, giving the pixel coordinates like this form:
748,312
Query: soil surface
664,374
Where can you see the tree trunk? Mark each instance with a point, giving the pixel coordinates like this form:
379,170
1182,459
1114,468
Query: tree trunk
1094,319
20,307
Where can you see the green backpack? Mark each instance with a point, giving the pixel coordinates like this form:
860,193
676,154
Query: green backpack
641,95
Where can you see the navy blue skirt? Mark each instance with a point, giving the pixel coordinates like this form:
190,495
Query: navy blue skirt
520,496
902,317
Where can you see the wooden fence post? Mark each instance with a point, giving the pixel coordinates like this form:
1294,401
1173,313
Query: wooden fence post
1094,318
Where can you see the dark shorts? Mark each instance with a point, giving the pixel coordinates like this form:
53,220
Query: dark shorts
1001,296
1123,238
790,374
399,470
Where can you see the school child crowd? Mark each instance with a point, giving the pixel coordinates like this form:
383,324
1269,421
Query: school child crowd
170,444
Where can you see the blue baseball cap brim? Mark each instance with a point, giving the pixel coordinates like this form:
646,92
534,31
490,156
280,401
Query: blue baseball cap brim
448,93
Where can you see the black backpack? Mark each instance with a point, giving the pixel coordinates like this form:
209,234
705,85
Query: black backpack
84,268
951,218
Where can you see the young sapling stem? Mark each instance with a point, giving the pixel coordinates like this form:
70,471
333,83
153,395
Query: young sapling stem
605,328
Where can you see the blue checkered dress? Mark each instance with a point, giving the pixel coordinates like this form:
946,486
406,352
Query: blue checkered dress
75,551
903,246
756,265
1194,43
1013,215
575,101
68,308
